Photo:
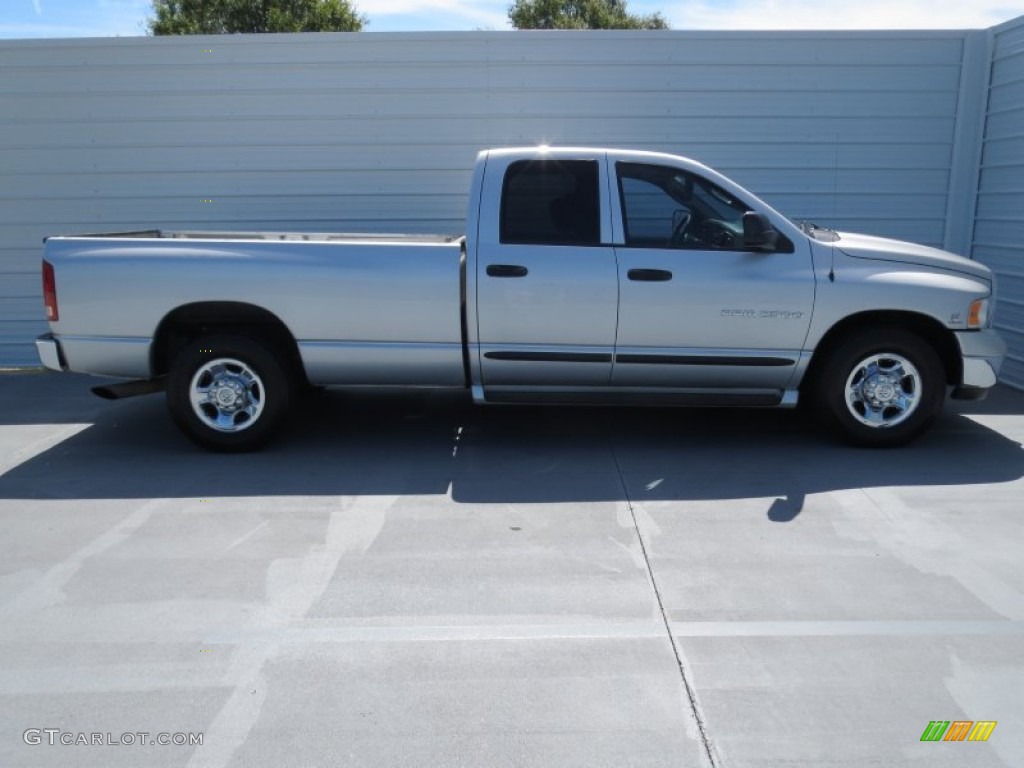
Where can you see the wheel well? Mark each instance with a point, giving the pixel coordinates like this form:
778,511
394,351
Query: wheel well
928,328
188,323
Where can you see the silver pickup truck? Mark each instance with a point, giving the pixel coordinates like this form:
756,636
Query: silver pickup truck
585,276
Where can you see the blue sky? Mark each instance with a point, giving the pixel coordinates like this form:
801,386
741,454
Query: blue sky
102,18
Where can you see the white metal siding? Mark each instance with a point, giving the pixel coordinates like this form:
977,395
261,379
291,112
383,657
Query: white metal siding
378,132
999,223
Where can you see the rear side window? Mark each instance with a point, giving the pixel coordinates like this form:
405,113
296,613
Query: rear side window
551,202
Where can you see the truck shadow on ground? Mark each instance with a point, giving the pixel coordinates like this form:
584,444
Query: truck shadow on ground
344,444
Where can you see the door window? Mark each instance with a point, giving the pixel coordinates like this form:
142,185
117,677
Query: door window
551,202
670,208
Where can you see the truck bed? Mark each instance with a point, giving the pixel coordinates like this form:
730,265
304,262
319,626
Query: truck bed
362,309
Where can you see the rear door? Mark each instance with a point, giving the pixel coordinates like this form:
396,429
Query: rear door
547,287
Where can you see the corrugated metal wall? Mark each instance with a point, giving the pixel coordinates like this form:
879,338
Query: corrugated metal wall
378,132
999,222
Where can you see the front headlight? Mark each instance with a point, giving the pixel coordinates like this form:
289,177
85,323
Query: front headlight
977,315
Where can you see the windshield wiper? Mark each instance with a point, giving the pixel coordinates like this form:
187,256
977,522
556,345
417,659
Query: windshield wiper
810,228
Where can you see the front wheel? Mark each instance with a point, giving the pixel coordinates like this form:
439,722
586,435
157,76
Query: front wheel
228,393
880,387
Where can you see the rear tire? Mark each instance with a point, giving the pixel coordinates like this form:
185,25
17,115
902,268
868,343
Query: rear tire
880,387
228,393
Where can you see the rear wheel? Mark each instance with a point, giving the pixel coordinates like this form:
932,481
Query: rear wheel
228,393
880,387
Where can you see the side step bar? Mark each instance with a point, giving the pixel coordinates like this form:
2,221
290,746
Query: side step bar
783,399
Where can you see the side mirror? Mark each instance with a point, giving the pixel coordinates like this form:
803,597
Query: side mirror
758,232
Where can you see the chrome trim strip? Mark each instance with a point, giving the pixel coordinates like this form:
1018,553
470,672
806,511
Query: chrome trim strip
757,362
554,357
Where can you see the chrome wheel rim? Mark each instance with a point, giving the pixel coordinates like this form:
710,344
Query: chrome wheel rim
883,390
227,395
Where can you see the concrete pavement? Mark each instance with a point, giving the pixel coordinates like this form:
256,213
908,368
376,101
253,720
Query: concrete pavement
407,580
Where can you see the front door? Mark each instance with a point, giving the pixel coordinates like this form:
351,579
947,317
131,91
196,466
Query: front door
696,310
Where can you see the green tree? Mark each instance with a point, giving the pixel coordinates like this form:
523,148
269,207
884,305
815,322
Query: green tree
580,14
224,17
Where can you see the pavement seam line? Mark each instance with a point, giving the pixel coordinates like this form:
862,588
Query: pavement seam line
688,687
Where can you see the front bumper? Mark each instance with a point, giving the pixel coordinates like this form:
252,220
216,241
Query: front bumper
50,353
982,353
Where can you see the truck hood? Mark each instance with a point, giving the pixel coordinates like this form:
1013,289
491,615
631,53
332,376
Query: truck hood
868,247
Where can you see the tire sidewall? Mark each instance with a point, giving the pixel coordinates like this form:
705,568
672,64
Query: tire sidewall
830,386
262,360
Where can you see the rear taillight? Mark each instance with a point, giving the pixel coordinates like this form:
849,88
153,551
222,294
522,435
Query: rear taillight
50,292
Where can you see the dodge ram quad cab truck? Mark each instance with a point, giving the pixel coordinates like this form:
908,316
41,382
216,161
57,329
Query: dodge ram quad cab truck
585,276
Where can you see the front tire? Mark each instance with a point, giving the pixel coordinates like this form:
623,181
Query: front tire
880,387
228,393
